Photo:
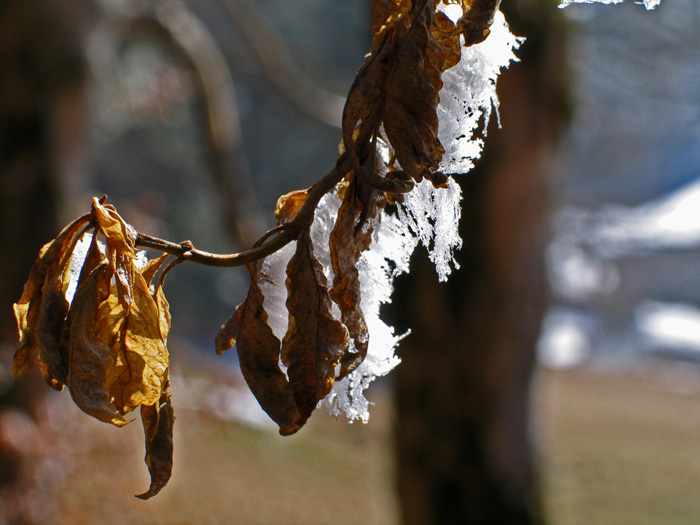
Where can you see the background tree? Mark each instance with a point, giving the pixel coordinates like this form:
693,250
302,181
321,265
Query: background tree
463,432
42,119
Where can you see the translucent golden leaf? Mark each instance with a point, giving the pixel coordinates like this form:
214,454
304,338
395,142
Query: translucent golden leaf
119,235
151,267
288,205
142,357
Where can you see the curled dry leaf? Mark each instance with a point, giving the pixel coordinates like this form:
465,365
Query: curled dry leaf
120,236
259,356
142,358
288,205
398,85
346,284
93,325
157,422
315,341
109,344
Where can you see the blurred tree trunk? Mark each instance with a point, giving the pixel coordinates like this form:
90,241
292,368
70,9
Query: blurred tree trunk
463,404
42,100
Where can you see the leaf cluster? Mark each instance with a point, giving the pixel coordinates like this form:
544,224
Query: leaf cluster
108,344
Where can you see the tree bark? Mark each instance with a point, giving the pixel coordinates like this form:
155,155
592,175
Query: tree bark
42,101
463,429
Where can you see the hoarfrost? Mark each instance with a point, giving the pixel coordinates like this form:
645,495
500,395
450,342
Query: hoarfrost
469,94
78,258
648,4
76,264
429,216
274,289
378,265
432,215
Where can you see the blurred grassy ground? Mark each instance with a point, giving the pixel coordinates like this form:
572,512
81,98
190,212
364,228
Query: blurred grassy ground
621,449
616,449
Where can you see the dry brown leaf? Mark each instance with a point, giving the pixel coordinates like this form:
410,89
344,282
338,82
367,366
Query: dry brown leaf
399,84
228,332
119,235
142,357
346,283
158,430
29,307
476,23
91,349
288,205
315,342
411,95
151,268
259,355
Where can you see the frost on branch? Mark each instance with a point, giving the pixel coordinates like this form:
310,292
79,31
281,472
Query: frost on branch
468,96
309,328
321,299
648,4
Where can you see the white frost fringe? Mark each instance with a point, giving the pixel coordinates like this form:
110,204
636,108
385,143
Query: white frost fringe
429,216
648,4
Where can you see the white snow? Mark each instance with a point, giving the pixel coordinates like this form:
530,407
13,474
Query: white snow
274,289
432,215
469,95
648,4
671,221
564,341
669,325
377,267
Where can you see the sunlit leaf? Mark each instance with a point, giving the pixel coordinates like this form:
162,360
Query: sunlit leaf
288,205
119,235
142,357
91,349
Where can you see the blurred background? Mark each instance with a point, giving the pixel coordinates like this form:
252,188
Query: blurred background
554,379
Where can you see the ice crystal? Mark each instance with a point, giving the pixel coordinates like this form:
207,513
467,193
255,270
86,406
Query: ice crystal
648,4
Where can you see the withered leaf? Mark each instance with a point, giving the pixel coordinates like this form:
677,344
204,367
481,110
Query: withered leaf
158,422
28,309
228,332
346,283
91,329
49,333
476,22
142,358
53,354
411,97
315,341
399,84
288,205
119,235
151,268
259,355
